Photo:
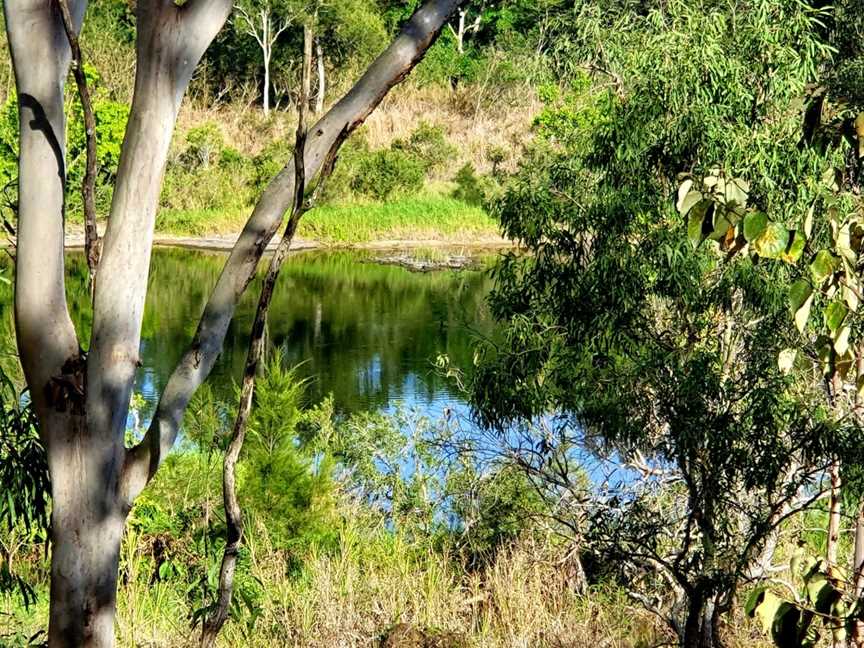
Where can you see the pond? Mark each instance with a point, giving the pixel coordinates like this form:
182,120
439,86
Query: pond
367,333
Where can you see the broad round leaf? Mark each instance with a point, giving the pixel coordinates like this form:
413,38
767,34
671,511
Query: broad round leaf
772,243
754,224
823,266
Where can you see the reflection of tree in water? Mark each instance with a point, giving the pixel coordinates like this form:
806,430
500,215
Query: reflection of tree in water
362,330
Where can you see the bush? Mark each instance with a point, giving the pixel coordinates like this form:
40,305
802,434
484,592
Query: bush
269,162
387,173
428,145
204,145
471,188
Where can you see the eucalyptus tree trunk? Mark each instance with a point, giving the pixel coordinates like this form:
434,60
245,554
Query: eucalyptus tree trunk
82,401
82,398
322,80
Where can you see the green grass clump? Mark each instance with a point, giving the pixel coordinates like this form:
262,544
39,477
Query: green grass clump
418,218
427,217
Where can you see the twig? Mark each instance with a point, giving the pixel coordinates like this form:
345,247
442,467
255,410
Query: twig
88,185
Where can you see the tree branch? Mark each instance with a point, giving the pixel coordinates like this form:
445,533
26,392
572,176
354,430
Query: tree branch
46,337
171,40
389,69
88,185
233,513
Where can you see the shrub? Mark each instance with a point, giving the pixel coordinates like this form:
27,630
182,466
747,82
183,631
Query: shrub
471,188
428,145
204,145
386,173
269,162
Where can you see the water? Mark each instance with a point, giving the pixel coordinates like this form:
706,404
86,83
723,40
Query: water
365,332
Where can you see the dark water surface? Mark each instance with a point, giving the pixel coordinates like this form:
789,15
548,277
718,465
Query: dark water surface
365,332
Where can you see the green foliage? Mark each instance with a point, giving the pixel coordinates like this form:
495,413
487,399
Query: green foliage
822,604
427,144
204,146
290,490
471,188
24,486
386,173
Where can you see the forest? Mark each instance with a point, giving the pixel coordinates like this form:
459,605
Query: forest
432,324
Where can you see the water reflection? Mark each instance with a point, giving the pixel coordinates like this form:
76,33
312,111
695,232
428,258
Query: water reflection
365,332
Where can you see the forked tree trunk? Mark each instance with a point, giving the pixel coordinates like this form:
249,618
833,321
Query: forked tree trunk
82,400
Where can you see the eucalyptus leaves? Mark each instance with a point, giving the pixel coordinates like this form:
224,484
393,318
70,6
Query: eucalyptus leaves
717,209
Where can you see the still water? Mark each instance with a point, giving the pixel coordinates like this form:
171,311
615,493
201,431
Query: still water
365,332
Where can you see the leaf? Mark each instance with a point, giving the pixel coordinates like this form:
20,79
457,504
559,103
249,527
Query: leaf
834,315
808,221
689,201
695,223
721,228
683,190
796,247
772,242
786,360
754,224
823,266
843,243
737,190
767,609
841,341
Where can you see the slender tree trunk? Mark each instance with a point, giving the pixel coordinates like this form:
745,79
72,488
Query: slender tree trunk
833,519
322,81
858,573
266,85
700,627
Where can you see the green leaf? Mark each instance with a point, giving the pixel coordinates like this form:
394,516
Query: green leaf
823,266
834,315
808,221
796,247
754,224
800,301
721,227
695,223
772,242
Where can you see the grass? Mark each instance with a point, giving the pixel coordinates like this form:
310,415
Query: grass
425,217
377,584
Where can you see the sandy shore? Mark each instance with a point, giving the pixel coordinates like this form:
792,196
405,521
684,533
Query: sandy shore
75,240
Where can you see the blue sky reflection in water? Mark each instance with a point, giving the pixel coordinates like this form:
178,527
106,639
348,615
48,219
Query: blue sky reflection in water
367,333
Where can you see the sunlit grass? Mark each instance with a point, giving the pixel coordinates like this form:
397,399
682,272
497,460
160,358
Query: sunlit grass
425,217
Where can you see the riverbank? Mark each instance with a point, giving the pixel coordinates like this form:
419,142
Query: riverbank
419,222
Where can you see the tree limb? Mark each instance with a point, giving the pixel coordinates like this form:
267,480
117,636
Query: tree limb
171,40
40,57
389,69
233,513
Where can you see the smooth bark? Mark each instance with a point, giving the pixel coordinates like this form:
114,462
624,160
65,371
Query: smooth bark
82,399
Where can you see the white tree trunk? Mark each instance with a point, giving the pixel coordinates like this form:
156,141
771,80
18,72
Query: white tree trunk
266,85
322,81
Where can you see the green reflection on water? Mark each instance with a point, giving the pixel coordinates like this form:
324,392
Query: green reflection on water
366,332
